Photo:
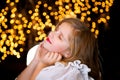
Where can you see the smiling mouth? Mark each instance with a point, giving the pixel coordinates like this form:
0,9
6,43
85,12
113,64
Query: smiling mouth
47,39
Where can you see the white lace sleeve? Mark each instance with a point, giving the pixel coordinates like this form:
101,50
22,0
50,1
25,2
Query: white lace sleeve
73,71
83,69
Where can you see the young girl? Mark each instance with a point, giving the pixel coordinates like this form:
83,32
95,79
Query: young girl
68,53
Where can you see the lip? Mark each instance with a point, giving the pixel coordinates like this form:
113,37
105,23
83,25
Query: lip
48,40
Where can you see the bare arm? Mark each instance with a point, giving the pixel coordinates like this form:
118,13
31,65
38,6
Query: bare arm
25,75
28,71
42,59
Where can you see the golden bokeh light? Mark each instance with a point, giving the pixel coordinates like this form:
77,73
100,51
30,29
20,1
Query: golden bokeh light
13,31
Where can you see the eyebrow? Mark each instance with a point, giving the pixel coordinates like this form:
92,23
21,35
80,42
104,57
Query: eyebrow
64,36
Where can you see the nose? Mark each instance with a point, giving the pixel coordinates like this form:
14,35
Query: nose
51,34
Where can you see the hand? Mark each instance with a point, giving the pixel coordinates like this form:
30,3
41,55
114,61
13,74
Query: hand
46,58
50,58
40,50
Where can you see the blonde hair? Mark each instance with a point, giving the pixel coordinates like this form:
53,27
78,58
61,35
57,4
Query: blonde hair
83,46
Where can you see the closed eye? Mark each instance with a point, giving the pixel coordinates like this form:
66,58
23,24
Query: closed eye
60,37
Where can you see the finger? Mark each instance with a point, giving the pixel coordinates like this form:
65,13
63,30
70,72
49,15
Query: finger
48,55
54,56
51,55
59,57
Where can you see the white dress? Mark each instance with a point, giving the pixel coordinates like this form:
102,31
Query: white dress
73,71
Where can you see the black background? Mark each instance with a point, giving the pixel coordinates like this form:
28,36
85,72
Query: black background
109,50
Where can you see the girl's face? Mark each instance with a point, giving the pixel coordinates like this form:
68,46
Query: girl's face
58,40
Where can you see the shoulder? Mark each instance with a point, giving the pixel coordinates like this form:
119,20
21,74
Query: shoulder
31,53
82,69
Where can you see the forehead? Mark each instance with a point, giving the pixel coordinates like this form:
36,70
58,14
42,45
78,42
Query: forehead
66,29
65,25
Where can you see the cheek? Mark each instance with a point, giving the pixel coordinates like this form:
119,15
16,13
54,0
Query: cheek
59,48
56,48
52,48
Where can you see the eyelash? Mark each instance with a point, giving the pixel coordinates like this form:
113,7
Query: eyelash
60,37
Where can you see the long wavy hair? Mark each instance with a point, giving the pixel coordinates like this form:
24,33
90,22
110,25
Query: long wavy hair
83,46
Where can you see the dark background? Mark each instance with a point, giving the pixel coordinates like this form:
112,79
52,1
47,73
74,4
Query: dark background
109,45
109,50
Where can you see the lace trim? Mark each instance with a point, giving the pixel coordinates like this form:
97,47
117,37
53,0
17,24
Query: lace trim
83,69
